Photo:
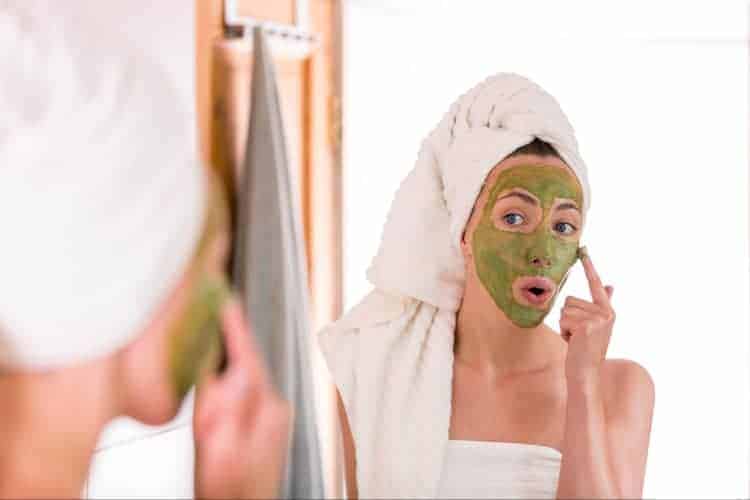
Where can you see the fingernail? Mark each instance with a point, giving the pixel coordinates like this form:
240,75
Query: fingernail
583,252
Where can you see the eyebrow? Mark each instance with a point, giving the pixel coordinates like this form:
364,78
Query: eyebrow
566,206
527,198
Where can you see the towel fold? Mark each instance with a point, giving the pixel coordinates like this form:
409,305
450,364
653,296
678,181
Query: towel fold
391,356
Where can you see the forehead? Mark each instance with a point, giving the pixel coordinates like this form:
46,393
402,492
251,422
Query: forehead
546,177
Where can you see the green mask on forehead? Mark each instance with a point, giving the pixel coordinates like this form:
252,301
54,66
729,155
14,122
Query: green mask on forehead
501,256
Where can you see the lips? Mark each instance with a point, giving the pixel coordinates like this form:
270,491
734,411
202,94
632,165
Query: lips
534,291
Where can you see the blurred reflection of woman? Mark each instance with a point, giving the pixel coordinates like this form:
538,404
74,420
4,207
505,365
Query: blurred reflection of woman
450,384
113,292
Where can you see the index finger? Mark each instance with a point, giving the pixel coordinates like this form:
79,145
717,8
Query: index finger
598,292
241,348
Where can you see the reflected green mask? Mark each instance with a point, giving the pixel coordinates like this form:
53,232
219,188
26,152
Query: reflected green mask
502,256
197,342
195,337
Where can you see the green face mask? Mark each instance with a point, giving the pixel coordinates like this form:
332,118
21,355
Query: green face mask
197,343
507,259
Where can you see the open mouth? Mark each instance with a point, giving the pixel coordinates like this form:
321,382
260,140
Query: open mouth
534,291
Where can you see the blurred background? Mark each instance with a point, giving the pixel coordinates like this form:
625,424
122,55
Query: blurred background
658,94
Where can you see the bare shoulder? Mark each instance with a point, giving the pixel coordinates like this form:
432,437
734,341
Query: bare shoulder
626,371
628,390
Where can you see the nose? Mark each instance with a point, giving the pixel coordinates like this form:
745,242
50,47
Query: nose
540,252
541,261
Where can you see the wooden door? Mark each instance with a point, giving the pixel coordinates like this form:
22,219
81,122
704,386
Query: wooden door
309,81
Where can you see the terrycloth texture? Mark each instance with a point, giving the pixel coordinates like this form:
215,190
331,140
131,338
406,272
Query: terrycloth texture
101,200
392,355
485,469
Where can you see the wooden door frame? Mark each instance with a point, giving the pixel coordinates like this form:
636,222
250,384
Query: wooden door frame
321,175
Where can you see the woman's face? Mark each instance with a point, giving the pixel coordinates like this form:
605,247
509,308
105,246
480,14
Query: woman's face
195,335
524,235
184,337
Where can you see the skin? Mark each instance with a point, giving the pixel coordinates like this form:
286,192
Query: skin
235,412
505,252
199,347
241,425
195,338
534,385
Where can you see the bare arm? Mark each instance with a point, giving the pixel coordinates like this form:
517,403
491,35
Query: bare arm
609,407
607,430
350,461
629,406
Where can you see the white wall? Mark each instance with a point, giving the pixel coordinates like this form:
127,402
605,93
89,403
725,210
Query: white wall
658,95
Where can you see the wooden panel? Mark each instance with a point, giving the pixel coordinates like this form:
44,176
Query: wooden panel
325,161
208,29
231,107
281,11
323,210
310,95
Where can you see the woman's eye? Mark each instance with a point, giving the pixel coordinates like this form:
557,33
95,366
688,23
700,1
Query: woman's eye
565,228
514,219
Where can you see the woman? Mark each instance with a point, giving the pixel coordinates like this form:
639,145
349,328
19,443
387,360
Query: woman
114,246
450,383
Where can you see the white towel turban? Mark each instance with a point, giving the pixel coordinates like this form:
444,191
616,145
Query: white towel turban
420,255
391,356
101,199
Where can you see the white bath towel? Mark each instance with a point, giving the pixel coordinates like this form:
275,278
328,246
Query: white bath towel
391,356
101,195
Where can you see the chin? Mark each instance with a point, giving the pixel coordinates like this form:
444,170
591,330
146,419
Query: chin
528,317
156,406
527,324
156,415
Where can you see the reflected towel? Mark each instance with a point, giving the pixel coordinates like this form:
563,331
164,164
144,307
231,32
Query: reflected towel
101,194
269,272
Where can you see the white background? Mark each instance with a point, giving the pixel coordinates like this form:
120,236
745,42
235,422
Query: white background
658,96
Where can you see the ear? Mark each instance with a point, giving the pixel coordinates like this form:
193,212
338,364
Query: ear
466,246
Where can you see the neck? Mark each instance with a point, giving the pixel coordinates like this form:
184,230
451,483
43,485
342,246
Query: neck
49,428
489,342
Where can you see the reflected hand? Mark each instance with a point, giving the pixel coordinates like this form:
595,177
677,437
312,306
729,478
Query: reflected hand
240,424
587,327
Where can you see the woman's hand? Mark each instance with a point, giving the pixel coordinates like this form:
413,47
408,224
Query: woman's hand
587,327
240,425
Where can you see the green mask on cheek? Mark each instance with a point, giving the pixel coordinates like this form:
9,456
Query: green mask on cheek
196,338
502,256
